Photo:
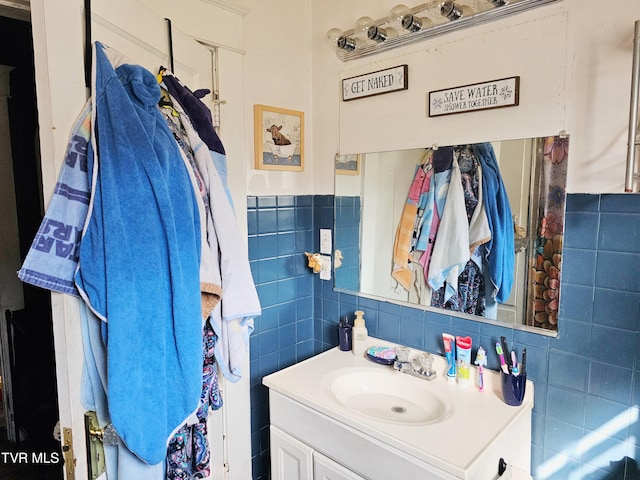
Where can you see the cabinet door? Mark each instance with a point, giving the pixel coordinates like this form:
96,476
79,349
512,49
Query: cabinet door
326,469
290,458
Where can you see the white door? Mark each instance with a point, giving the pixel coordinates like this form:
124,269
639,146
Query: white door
142,36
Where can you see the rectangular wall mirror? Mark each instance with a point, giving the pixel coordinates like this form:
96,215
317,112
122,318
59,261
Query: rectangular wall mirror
381,213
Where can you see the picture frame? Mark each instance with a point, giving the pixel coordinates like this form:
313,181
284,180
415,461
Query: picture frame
278,138
348,164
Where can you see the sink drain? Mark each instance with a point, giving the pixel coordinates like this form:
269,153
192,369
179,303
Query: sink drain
398,409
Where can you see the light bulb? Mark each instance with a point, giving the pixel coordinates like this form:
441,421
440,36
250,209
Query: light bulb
333,35
454,11
414,24
400,14
379,34
397,13
362,25
349,44
467,11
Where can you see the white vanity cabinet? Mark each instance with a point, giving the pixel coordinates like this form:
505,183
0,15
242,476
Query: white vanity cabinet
292,459
326,469
318,433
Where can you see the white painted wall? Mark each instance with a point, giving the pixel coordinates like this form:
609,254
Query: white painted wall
574,59
278,72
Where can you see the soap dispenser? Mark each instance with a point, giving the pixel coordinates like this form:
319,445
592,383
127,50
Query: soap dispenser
359,335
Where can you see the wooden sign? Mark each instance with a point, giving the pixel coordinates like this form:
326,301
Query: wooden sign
501,93
376,83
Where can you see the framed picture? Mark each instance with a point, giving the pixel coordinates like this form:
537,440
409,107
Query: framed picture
279,138
348,164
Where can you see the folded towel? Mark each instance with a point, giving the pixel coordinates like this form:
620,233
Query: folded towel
139,260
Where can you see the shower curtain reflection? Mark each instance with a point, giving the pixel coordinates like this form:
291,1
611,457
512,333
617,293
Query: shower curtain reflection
551,180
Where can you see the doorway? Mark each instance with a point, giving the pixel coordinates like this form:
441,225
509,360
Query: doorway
29,408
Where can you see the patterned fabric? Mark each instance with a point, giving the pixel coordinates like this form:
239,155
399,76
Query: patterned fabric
470,179
407,232
188,452
470,297
548,254
180,135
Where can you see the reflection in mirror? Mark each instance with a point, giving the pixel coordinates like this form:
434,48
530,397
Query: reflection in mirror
473,229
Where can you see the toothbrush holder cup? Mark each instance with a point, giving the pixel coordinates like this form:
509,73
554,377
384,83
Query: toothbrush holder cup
344,336
513,388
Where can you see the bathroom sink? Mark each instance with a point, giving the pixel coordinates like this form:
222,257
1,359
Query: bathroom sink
388,396
341,405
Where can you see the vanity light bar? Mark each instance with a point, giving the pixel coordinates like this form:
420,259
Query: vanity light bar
350,44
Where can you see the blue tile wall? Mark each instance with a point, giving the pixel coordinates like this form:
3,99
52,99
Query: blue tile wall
347,241
281,229
586,421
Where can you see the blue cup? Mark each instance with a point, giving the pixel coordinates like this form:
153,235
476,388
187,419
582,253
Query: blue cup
344,337
513,388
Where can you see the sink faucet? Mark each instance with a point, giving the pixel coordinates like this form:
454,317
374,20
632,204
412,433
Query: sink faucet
421,367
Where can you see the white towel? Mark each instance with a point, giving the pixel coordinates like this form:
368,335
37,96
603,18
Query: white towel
479,231
451,248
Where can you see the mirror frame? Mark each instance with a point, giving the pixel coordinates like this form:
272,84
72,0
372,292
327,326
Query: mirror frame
543,148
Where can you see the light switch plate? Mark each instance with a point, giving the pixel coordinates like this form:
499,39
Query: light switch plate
325,241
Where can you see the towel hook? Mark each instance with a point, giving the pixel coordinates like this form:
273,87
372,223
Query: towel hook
170,35
87,43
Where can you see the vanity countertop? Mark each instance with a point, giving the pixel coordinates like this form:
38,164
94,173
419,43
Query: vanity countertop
474,420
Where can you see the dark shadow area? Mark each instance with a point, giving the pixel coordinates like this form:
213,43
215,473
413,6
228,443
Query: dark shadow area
35,454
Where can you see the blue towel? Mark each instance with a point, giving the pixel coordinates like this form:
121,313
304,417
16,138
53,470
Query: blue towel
198,112
139,260
53,257
500,249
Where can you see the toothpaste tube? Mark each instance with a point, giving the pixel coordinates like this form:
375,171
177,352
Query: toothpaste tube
450,354
463,350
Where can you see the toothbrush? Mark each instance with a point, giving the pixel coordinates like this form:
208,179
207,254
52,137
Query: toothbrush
503,363
481,361
505,350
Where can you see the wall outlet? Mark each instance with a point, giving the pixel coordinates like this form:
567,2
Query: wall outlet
325,271
325,241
